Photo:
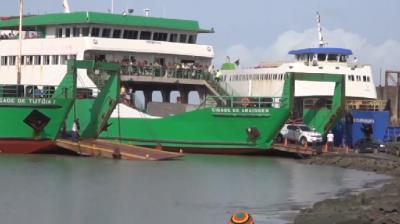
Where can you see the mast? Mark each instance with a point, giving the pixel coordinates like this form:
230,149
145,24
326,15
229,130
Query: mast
321,41
66,6
112,6
21,12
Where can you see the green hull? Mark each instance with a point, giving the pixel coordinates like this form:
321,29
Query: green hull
201,129
232,125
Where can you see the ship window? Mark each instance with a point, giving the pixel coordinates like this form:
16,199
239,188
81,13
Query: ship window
76,31
117,34
72,56
332,57
343,58
12,60
160,36
321,57
29,60
364,78
358,78
46,60
22,60
368,80
182,38
54,60
37,60
145,35
173,37
63,59
85,31
106,32
3,60
95,32
59,32
67,32
192,39
130,34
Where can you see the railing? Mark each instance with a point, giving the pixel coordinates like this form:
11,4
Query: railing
162,71
248,102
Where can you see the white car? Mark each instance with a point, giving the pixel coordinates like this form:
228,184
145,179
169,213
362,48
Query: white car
300,133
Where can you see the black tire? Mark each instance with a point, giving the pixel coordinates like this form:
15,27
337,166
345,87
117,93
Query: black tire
303,141
279,138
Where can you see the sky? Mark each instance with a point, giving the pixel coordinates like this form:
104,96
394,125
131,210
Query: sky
265,30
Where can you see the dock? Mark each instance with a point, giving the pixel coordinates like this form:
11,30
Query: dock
305,151
114,150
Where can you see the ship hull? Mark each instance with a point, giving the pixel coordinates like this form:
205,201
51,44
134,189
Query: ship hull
22,146
202,131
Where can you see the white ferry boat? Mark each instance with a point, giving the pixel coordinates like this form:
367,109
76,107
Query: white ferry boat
141,43
267,79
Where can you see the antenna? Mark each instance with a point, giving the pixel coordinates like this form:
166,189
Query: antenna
321,41
66,6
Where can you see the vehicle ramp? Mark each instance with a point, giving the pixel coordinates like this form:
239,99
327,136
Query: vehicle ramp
107,149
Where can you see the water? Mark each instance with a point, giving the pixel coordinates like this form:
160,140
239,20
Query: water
197,189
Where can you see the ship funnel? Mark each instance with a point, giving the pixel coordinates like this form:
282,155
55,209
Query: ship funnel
146,12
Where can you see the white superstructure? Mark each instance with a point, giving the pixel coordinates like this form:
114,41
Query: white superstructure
267,79
50,40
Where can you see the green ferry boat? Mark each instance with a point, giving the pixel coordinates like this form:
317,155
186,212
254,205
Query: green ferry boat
227,125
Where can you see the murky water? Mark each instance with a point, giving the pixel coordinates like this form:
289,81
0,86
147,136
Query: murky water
198,189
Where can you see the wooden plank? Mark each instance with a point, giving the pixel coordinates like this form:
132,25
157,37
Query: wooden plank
106,149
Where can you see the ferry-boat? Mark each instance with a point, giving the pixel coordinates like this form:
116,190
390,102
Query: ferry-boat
141,44
266,79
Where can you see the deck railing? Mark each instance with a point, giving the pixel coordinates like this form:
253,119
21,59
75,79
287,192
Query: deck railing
163,71
32,91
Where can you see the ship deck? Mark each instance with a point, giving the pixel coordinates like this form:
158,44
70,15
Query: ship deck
107,149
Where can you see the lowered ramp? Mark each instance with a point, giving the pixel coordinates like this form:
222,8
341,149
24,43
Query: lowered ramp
107,149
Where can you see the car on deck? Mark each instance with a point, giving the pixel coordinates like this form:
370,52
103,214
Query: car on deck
299,133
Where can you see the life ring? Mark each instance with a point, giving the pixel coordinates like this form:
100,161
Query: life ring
245,101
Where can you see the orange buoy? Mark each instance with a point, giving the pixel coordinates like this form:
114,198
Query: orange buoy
241,218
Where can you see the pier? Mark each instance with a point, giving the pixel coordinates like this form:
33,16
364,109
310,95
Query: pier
114,150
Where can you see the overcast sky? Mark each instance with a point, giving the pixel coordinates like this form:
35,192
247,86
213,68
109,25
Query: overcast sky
260,30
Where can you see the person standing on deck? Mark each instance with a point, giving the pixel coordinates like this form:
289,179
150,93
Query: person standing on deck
75,130
330,137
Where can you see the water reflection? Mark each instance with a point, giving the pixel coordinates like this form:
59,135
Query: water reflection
197,189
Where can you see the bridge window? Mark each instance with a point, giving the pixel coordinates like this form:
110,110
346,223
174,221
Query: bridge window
160,36
95,32
173,37
321,57
333,57
59,32
182,38
85,31
117,34
106,33
192,39
351,78
145,35
130,34
76,31
342,58
67,32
